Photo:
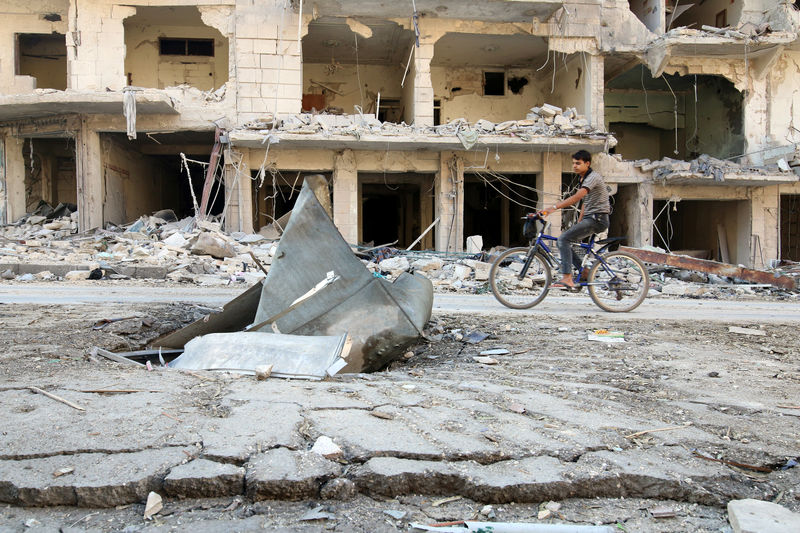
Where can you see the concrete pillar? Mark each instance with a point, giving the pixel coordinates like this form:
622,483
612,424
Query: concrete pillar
450,203
346,195
548,183
756,120
89,177
238,192
641,222
13,179
426,214
594,92
423,85
765,229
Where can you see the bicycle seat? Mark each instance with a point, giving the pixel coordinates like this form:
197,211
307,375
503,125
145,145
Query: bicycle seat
609,240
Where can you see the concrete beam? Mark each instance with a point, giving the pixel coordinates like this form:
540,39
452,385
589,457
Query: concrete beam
549,185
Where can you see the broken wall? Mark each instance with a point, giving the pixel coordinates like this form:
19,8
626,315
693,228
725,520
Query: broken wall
20,16
783,101
268,60
650,12
374,79
49,171
147,66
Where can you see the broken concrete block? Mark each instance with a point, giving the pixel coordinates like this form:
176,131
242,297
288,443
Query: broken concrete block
462,272
548,110
283,474
202,478
482,271
36,219
424,265
339,489
474,244
508,124
76,275
561,121
209,244
177,240
394,264
484,125
755,516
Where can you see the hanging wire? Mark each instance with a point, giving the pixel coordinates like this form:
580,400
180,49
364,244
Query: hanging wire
674,111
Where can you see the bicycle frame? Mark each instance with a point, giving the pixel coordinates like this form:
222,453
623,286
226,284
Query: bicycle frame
539,244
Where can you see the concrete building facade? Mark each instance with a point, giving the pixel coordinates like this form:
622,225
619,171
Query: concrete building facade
415,118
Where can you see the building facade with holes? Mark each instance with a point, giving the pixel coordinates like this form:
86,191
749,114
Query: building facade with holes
457,115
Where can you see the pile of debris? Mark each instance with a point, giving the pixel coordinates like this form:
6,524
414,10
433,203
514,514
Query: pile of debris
705,166
547,120
47,247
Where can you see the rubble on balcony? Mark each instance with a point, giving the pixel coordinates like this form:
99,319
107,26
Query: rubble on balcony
706,167
547,120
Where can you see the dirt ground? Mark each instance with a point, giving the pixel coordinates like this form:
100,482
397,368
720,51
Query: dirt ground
663,365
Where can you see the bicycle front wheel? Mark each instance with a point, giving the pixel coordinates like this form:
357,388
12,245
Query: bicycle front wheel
520,280
619,282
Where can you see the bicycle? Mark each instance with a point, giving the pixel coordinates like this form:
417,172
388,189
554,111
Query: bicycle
617,281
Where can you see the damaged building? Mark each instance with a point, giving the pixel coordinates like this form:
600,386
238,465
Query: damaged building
456,115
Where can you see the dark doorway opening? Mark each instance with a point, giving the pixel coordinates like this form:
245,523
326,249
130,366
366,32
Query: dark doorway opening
790,227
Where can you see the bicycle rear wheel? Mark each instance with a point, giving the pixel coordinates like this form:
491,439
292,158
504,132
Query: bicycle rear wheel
621,284
516,286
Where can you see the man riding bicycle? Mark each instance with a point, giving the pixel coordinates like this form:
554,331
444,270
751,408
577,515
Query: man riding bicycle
593,218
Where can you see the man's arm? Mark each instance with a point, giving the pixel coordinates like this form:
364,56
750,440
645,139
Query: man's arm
572,200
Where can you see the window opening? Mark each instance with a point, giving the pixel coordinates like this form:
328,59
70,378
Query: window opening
186,47
437,112
494,83
390,110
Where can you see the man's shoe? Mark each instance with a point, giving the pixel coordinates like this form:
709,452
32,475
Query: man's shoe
584,277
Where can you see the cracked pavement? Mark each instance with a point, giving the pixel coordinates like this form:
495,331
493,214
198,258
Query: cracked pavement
552,421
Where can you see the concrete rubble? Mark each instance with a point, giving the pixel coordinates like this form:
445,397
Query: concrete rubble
547,120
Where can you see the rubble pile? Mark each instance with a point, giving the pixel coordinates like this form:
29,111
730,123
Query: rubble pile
158,246
547,120
703,166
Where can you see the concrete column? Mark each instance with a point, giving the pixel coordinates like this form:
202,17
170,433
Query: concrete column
756,120
765,230
238,192
548,183
89,177
423,85
346,206
13,174
641,223
450,203
426,214
594,95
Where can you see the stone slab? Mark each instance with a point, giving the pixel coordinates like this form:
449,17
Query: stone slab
283,474
97,480
756,516
202,478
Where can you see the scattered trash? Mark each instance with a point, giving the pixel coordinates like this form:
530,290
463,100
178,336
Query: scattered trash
382,415
437,503
64,471
485,360
318,513
700,455
487,511
517,408
713,374
510,527
663,512
646,431
397,515
603,335
475,337
791,463
153,506
56,398
103,322
747,331
327,448
496,351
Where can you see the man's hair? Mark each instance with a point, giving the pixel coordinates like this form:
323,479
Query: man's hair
582,155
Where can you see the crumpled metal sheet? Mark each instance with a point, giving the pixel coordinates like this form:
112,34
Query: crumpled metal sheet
382,318
291,356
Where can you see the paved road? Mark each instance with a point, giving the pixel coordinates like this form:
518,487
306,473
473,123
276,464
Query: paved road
751,310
